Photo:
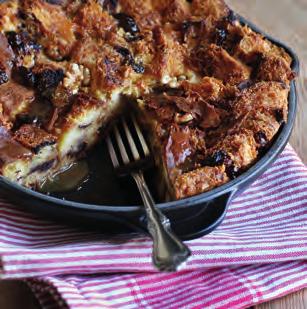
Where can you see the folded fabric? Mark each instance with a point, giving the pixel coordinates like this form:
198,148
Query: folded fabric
257,254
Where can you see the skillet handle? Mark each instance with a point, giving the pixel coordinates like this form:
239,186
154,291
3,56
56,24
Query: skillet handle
196,220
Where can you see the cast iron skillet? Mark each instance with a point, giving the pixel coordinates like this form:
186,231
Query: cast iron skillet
191,217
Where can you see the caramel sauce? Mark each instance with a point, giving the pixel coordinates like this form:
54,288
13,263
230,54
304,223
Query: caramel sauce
178,147
70,178
102,186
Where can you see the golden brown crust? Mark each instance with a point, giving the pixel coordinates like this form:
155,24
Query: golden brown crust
212,10
199,180
175,11
14,99
216,62
80,104
241,147
52,28
253,44
170,57
143,11
9,16
93,20
212,93
274,68
33,137
263,96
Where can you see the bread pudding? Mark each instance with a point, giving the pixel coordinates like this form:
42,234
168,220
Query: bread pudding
210,92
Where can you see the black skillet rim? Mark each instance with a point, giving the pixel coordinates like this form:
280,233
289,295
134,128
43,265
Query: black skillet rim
228,188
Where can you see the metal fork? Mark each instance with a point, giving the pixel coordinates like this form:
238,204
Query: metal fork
169,252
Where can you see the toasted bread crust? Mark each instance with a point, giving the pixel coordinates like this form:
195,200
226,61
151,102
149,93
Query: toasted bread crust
212,92
199,180
33,137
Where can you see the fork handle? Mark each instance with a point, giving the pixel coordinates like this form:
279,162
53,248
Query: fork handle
169,252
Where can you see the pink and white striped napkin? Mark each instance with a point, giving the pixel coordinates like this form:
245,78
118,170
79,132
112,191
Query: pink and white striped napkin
257,254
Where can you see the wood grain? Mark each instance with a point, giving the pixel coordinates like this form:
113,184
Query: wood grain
283,19
296,300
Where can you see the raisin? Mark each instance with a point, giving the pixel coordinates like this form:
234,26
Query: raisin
110,5
261,139
56,2
21,43
245,84
186,25
125,53
3,77
21,14
279,115
22,119
128,59
218,158
27,77
138,67
127,23
48,79
220,36
232,171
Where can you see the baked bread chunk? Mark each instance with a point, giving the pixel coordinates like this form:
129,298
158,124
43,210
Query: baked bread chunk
210,92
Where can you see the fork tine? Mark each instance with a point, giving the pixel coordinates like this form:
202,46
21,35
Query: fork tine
140,136
121,145
112,152
133,147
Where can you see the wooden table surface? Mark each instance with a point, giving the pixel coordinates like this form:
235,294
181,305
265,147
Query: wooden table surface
283,19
